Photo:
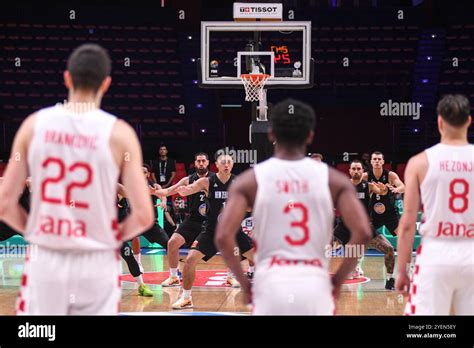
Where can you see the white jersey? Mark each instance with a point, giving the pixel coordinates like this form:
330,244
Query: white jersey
293,214
447,194
74,181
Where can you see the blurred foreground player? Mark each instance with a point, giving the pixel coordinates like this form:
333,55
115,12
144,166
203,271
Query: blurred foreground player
442,179
75,154
293,199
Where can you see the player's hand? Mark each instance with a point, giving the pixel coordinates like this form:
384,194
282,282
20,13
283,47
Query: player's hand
394,189
374,188
151,190
402,284
162,204
381,187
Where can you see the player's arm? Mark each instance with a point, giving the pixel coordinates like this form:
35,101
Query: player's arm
121,190
199,185
241,197
396,185
172,190
15,177
355,218
125,141
407,226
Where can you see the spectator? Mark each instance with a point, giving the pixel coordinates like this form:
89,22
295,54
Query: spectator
365,159
164,168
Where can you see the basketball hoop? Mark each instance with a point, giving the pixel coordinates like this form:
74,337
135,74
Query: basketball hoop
253,84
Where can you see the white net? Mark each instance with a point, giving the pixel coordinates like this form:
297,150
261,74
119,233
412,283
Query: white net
253,84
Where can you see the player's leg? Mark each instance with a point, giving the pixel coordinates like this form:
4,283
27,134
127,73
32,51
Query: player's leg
284,291
431,290
391,223
381,243
40,293
157,235
189,274
343,235
175,242
202,248
137,252
245,245
132,264
98,292
185,234
463,299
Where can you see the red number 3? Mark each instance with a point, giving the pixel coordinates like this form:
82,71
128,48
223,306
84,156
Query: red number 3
458,196
303,224
62,172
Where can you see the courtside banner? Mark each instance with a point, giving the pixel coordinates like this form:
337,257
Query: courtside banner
258,10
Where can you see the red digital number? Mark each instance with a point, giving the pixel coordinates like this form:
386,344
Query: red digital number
303,224
69,188
458,196
286,58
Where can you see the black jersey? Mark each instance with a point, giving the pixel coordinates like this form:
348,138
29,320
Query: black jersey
217,196
123,209
363,194
25,199
197,203
381,205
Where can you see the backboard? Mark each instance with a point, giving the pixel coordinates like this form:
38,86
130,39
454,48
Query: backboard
280,49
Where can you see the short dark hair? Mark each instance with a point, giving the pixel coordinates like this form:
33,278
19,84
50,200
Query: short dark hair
163,145
356,161
89,65
147,166
317,155
201,154
377,153
454,109
292,121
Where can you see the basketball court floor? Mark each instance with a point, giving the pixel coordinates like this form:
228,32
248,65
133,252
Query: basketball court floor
363,296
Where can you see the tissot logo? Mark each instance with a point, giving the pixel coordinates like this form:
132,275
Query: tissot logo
258,9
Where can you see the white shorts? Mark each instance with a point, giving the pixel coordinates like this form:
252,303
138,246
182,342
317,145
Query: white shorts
70,283
293,290
441,289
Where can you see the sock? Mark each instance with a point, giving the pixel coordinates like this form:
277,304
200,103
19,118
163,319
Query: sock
137,257
174,272
186,293
251,269
389,275
139,279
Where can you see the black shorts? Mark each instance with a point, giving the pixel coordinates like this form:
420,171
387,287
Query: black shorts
189,230
157,235
390,221
6,232
205,243
342,233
